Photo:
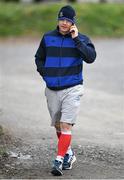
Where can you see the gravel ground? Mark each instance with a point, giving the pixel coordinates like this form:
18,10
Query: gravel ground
31,161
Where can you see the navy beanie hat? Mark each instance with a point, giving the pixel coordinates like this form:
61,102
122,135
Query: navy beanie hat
67,12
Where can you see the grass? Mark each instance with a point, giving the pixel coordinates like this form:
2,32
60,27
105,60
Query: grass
3,152
1,131
2,148
97,20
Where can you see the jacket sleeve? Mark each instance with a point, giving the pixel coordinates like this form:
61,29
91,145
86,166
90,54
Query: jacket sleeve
40,57
86,49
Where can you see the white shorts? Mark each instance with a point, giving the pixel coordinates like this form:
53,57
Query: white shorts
63,105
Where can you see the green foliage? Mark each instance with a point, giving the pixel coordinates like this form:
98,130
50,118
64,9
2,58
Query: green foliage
34,19
10,0
102,19
3,152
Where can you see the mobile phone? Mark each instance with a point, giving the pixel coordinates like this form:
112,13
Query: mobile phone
72,31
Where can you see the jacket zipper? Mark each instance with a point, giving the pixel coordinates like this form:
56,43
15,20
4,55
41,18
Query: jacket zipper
59,83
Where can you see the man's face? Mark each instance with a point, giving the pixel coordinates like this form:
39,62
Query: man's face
64,26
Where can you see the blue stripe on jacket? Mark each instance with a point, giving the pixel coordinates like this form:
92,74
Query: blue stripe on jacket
58,41
63,81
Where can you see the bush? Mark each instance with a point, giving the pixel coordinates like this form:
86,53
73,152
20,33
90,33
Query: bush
106,20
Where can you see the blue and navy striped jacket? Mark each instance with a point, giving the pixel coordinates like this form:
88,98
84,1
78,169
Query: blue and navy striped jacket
59,59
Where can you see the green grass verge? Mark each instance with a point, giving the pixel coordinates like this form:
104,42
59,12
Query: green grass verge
106,20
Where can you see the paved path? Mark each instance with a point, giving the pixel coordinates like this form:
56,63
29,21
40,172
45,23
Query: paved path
22,102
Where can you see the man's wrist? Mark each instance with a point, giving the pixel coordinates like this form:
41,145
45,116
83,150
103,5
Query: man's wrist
74,36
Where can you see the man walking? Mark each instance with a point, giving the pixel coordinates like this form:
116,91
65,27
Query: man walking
59,60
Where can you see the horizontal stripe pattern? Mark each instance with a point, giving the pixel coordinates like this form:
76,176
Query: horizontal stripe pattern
63,71
65,62
58,41
62,52
63,81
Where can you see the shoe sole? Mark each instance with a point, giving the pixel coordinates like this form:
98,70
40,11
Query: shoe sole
56,172
73,160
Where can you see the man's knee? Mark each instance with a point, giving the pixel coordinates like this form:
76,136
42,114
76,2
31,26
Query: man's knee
65,126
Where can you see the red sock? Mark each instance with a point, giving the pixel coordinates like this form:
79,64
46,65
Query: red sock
58,134
64,143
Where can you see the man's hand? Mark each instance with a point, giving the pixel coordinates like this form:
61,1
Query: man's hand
74,31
